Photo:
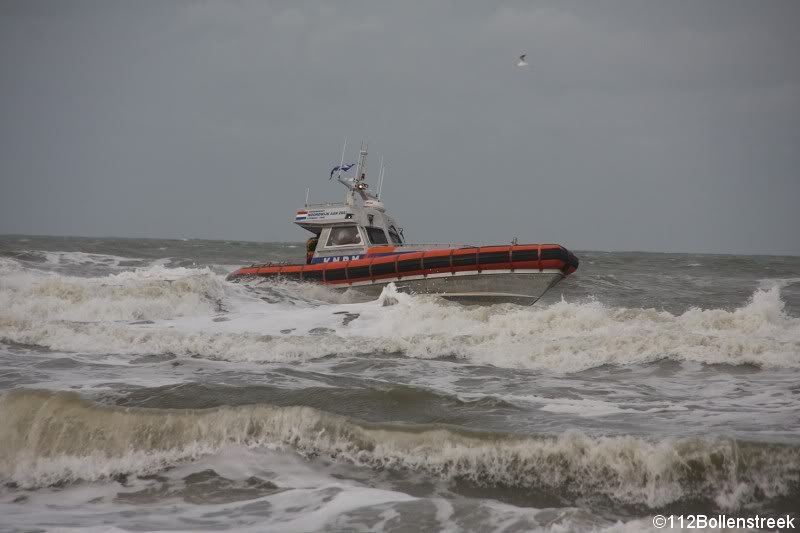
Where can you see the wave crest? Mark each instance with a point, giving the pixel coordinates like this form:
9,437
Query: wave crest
143,294
59,437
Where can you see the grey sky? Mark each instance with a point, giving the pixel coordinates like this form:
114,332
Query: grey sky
665,126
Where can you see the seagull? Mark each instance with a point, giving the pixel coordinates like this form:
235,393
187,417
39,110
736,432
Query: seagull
522,62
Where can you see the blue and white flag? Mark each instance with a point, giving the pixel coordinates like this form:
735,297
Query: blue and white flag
343,168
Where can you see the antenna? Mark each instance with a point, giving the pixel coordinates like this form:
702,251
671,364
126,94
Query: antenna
308,190
383,171
342,161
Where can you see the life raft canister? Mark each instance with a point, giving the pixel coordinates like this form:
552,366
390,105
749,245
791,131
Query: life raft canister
311,246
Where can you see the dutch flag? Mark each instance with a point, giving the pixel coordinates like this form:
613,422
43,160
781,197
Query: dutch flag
301,215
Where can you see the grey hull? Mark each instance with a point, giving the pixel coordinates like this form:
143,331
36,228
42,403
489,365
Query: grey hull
473,288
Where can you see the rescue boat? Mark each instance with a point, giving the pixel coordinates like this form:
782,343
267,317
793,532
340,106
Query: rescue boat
357,246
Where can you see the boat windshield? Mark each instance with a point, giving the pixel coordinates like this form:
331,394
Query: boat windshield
395,237
376,236
344,236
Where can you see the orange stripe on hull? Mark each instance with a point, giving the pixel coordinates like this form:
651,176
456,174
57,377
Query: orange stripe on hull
509,257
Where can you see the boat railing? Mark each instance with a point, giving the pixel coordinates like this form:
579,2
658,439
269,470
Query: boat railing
436,245
272,264
325,204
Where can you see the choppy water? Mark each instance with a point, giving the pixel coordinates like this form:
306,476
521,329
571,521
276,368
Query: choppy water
142,391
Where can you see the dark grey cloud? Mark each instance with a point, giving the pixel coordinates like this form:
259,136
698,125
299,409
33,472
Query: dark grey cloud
639,125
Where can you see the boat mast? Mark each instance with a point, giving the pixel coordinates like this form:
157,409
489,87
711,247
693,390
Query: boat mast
357,184
344,148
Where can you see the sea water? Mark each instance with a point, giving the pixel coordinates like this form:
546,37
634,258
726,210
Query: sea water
139,390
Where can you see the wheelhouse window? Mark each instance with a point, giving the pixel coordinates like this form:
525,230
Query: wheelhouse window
394,236
376,235
344,236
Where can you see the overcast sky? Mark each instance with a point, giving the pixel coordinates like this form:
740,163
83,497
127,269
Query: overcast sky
661,126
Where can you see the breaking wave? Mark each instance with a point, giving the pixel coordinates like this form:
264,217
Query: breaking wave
294,322
56,437
575,336
149,293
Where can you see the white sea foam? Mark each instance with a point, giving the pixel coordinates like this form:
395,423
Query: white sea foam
143,294
307,498
575,336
